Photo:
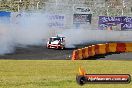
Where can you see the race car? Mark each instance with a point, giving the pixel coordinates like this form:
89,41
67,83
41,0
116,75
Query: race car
56,42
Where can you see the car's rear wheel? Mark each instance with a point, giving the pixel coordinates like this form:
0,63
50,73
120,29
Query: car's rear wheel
48,46
62,47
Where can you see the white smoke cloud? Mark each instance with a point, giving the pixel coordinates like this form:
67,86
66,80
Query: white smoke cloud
32,29
28,29
6,39
85,36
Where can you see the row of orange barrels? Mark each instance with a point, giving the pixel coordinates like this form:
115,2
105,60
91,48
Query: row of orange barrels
98,49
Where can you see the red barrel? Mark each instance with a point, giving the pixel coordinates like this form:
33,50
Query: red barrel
121,47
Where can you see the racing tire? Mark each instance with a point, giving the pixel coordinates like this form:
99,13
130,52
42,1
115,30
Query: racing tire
62,48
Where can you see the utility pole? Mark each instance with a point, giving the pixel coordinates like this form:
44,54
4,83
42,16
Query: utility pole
38,5
108,10
19,5
123,6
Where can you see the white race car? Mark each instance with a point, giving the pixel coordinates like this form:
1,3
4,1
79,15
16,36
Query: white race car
56,42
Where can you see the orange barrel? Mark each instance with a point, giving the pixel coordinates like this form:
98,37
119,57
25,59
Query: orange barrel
91,50
121,47
83,53
80,57
107,48
128,47
97,49
111,47
100,49
86,52
75,55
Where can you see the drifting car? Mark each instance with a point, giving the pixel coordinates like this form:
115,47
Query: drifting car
56,42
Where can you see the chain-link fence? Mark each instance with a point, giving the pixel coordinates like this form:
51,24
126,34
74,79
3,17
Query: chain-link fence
99,7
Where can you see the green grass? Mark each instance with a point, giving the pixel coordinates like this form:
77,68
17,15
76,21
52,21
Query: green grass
57,73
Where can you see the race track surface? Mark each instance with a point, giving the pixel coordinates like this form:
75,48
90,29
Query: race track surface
42,53
38,53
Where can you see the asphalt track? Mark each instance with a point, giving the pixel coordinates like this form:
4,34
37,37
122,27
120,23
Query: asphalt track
42,53
38,53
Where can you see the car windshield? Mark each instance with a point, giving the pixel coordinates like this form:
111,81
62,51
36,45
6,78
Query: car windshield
54,39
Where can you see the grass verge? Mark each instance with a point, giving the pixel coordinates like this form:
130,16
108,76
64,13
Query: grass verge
58,73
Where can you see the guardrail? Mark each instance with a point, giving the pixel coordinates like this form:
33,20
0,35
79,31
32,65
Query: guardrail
101,49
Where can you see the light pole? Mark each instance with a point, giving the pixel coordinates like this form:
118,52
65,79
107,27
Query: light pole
123,6
18,8
131,11
38,4
108,10
19,5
